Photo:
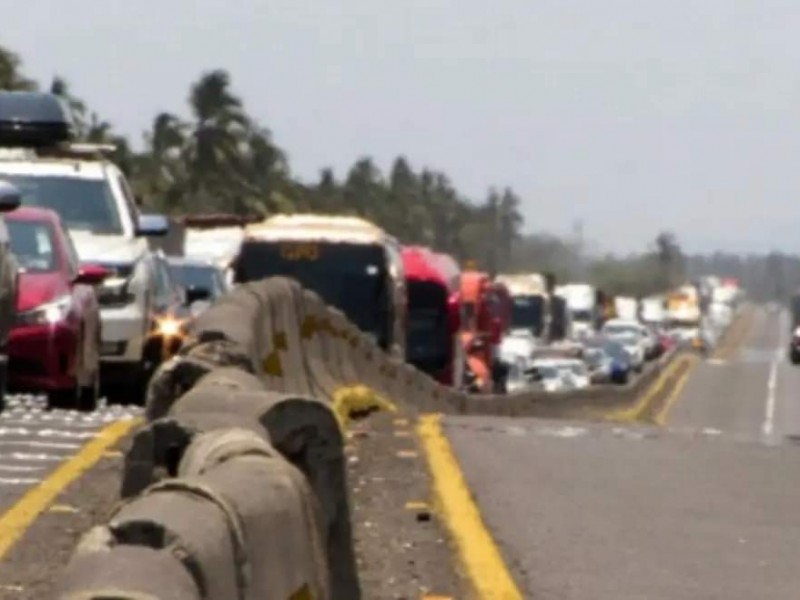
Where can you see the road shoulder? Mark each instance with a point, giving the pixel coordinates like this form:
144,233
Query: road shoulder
403,550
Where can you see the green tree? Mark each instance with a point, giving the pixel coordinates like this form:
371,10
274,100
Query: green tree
11,77
61,88
215,148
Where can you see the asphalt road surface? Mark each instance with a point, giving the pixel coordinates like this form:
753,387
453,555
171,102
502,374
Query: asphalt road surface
707,507
35,441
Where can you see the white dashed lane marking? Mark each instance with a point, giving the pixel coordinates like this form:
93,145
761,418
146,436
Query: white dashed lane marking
34,440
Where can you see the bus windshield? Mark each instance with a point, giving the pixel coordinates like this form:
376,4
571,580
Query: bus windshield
351,277
428,346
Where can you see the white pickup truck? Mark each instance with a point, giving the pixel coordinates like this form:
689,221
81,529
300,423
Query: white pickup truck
95,202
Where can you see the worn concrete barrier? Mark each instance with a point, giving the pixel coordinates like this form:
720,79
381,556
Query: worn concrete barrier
235,486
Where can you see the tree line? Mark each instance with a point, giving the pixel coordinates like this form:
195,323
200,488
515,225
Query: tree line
221,159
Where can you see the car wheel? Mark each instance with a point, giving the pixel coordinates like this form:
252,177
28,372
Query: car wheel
3,383
65,399
88,395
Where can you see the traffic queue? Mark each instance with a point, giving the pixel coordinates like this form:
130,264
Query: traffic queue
94,293
460,325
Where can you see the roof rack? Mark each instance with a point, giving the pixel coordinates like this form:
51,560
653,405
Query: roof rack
62,151
77,150
212,220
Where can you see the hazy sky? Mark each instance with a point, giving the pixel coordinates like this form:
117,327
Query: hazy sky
633,115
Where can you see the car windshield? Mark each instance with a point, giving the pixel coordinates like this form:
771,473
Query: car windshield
628,339
198,277
548,372
83,204
33,245
619,329
615,351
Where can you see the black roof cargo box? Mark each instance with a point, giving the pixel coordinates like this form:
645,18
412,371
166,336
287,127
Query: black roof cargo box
33,120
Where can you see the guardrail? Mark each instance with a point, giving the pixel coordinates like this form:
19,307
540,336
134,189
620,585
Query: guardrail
235,487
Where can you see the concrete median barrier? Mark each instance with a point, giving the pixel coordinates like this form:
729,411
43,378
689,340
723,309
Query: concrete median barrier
105,571
237,480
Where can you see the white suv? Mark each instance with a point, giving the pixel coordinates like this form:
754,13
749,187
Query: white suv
95,202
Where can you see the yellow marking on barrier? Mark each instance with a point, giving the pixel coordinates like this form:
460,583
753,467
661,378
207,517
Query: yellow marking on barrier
480,556
16,520
417,506
63,508
406,454
280,341
272,364
112,454
661,417
304,593
353,399
633,413
308,327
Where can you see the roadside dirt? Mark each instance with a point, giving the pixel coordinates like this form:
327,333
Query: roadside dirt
404,553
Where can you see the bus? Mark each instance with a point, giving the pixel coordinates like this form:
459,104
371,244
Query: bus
354,266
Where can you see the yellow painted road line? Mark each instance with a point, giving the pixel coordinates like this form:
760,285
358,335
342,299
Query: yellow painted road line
478,552
661,417
736,335
633,413
16,520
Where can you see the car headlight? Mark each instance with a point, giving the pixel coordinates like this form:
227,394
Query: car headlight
46,314
169,326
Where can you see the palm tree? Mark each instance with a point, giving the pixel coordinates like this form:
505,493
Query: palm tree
161,175
60,88
10,76
214,152
167,136
98,131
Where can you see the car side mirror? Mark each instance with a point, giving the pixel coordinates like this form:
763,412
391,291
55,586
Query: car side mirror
152,226
10,197
91,274
195,294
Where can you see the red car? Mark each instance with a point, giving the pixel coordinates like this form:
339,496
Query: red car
54,346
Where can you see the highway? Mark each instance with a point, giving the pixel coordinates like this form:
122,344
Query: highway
35,441
705,507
